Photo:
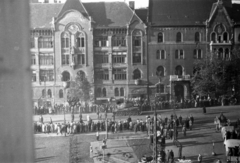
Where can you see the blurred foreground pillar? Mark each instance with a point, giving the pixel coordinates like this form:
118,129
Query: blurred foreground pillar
16,126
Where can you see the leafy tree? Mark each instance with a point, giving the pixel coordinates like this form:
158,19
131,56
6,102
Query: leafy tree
209,76
78,90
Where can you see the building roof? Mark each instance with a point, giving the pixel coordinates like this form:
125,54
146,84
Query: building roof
142,14
41,14
104,14
179,12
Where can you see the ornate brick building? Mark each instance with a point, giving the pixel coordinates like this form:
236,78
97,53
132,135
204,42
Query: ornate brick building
106,42
183,31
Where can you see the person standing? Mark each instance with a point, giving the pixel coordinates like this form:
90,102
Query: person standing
184,130
171,156
97,136
200,158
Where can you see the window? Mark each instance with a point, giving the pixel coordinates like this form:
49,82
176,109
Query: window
33,60
158,54
160,37
227,56
104,92
80,40
101,57
119,57
160,71
119,74
179,71
220,53
136,74
60,93
102,74
197,37
101,41
197,54
121,91
161,54
118,41
213,37
179,37
46,75
179,54
49,93
79,59
136,57
46,59
137,41
45,42
34,76
116,92
81,74
65,40
225,36
65,59
238,37
160,88
65,76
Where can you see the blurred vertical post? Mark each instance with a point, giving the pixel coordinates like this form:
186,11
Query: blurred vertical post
16,109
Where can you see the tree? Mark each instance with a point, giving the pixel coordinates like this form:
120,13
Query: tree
209,76
78,90
216,76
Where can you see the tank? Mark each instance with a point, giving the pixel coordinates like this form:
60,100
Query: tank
127,109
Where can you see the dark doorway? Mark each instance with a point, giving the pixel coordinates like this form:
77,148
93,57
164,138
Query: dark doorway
179,92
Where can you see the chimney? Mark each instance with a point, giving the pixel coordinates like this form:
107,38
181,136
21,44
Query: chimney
132,5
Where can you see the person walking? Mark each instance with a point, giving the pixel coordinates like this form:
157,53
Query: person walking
97,136
200,158
184,130
171,156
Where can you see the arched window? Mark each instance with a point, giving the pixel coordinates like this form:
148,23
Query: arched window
136,74
99,92
179,37
220,53
158,54
197,37
65,40
65,76
179,71
160,37
49,92
104,92
213,37
225,36
116,92
43,93
80,40
163,56
81,74
160,71
60,93
121,91
227,56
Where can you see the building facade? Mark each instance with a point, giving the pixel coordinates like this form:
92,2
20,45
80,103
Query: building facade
183,31
105,42
125,52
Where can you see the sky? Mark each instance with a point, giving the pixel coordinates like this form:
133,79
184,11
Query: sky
138,3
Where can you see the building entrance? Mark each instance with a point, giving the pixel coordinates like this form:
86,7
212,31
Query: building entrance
179,92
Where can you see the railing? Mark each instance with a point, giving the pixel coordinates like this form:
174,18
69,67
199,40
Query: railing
179,77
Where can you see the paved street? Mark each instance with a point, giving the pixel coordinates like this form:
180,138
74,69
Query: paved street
197,141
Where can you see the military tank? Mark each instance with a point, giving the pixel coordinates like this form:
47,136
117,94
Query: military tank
127,108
